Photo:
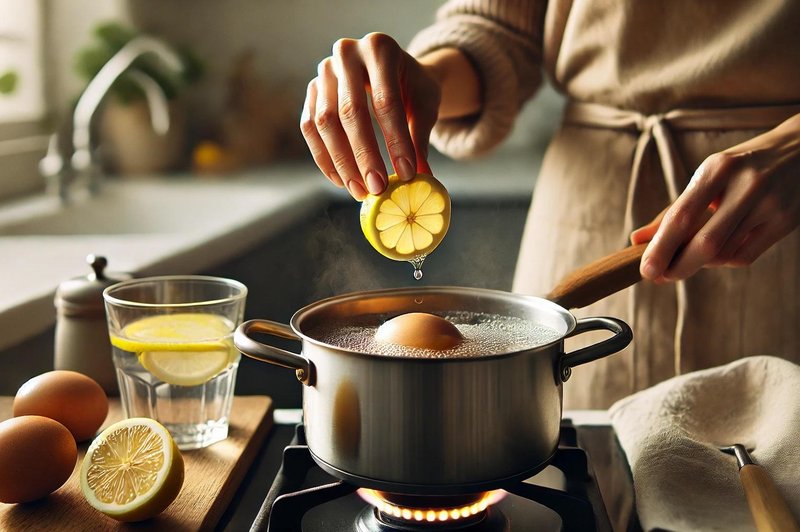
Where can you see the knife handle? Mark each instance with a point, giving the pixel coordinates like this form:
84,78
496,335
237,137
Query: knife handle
767,505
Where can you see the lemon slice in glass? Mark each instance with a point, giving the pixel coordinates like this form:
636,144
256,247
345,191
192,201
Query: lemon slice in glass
133,470
185,368
408,219
182,349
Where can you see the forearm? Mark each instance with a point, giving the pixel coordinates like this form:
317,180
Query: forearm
775,148
461,93
739,203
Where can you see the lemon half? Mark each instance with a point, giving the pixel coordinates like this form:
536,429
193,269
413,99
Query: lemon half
133,470
182,349
408,219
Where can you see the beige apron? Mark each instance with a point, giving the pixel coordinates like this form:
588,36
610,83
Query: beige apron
609,171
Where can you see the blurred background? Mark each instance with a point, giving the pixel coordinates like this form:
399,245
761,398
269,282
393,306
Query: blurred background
250,58
233,117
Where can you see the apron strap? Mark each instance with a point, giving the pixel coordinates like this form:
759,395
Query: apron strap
657,130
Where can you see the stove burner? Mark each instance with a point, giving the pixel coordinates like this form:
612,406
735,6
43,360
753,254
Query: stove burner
489,520
403,508
304,497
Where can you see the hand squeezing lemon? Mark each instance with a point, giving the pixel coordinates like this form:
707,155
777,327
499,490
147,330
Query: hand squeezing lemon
407,220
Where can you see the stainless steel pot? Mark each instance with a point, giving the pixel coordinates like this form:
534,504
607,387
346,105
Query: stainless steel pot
431,426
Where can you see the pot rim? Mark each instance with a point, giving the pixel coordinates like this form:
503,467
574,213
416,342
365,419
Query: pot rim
567,316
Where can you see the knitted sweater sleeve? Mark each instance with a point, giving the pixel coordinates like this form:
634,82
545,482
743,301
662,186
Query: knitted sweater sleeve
503,39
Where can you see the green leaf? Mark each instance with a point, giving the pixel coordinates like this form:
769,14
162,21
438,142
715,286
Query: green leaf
193,67
109,38
8,82
114,35
89,61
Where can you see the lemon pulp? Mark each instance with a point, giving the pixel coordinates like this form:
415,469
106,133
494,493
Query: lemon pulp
183,349
133,470
409,219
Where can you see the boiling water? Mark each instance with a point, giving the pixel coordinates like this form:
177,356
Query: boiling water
484,334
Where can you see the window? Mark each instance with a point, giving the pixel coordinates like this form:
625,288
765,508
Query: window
21,95
22,104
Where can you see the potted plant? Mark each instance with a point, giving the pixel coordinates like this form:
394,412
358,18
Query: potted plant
8,82
130,146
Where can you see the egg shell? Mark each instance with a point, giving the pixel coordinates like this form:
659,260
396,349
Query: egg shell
37,455
71,398
420,329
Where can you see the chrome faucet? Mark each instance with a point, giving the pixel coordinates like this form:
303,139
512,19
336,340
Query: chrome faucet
82,167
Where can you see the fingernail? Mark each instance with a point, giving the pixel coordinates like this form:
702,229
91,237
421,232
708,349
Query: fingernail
375,182
405,169
649,270
335,179
356,190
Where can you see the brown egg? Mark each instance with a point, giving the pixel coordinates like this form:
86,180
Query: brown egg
37,455
73,399
420,329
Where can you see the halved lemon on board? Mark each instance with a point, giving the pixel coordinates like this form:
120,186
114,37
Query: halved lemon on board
133,470
182,349
408,219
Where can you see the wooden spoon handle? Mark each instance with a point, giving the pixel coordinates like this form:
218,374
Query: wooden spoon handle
599,279
769,509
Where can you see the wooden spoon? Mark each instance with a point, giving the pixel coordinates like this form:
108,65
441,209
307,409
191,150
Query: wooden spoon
599,279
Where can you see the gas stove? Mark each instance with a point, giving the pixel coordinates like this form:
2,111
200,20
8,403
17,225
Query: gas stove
564,496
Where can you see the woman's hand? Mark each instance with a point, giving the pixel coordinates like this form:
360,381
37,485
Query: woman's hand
738,203
336,120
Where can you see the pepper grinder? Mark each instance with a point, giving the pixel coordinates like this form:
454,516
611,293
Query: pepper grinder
82,343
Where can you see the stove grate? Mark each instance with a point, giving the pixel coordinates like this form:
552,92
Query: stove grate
580,507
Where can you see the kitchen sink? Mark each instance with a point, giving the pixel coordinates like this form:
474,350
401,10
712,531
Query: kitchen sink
135,207
143,226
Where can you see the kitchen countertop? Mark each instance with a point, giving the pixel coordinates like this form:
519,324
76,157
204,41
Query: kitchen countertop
257,204
277,197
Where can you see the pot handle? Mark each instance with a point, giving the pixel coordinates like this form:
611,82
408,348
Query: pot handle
622,337
304,369
601,278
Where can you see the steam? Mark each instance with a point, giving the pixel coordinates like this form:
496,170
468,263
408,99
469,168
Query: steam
341,256
480,251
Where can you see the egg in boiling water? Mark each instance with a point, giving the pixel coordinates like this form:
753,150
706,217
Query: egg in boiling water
421,330
37,455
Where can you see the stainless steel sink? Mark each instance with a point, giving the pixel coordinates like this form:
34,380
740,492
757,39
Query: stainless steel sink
136,207
146,226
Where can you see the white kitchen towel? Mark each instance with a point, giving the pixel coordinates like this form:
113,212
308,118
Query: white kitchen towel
670,434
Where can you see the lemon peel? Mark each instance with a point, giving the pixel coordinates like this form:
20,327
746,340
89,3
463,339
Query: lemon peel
186,349
409,219
133,470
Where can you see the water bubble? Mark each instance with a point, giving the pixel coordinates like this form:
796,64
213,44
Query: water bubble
484,334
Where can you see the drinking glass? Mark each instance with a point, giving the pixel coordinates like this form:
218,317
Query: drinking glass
172,339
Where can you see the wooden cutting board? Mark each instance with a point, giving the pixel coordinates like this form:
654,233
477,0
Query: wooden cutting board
212,476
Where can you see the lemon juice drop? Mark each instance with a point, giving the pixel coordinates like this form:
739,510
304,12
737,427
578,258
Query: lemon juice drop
416,262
